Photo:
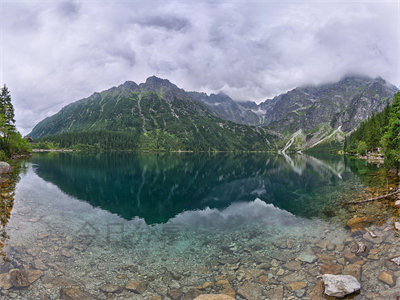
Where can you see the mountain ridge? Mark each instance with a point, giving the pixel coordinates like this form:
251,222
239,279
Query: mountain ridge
154,115
317,111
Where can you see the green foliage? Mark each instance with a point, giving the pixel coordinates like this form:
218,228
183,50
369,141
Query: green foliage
380,130
45,145
11,141
3,156
119,119
17,144
362,147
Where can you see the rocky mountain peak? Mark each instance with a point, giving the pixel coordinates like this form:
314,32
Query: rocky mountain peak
154,83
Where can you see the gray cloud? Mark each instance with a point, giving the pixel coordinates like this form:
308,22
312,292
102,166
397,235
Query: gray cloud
56,52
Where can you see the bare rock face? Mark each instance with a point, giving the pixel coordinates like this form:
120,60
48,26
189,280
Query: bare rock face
340,285
5,168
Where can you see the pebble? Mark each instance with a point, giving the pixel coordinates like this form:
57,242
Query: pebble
109,288
397,225
214,297
74,294
300,293
308,258
294,286
396,260
386,277
136,286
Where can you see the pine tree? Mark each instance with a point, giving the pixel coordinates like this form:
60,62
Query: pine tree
7,109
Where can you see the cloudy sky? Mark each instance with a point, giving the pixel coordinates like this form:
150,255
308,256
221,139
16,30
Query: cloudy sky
56,52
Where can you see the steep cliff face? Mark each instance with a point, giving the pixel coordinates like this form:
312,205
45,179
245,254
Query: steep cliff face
345,103
318,111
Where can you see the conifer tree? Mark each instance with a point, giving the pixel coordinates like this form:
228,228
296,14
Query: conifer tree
7,111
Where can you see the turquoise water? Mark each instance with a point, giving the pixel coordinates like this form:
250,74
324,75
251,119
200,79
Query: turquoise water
177,221
158,187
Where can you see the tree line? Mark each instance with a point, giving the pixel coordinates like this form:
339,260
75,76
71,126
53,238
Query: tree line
379,133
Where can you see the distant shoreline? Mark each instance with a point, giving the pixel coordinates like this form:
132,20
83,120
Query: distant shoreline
52,150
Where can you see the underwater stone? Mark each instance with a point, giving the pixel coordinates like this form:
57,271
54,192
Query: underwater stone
5,283
307,257
73,294
396,260
136,286
358,222
214,297
386,277
397,225
18,278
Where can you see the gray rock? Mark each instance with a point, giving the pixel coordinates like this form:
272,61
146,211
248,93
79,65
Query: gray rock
307,257
396,260
340,285
300,293
4,167
397,225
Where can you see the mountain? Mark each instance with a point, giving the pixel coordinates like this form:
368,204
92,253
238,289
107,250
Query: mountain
225,108
155,115
315,114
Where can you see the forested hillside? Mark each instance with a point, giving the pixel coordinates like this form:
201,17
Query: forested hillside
155,116
380,132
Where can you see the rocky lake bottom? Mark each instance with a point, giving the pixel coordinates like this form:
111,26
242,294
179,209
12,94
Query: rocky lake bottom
56,246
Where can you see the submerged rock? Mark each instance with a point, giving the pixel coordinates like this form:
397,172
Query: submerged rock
18,278
250,291
74,294
275,293
109,288
33,275
136,286
307,257
298,285
397,225
358,222
386,277
175,294
214,297
5,283
340,285
396,260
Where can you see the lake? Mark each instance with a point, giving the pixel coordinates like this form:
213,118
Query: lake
147,226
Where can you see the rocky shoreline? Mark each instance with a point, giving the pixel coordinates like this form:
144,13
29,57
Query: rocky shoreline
290,271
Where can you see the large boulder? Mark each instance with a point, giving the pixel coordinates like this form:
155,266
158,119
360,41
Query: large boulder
5,168
340,285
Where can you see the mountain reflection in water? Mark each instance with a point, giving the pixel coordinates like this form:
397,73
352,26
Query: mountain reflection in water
157,187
